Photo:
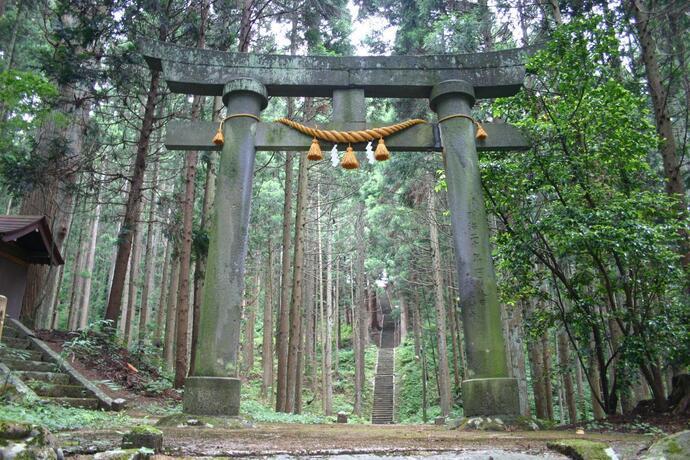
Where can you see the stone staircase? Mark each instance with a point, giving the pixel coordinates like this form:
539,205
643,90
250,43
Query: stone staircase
384,382
38,372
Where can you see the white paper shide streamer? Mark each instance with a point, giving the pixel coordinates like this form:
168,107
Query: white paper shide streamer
335,161
370,154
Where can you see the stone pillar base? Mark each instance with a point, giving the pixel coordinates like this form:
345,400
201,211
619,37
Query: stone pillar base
212,396
492,396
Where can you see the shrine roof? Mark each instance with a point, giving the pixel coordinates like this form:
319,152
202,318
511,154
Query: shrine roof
29,239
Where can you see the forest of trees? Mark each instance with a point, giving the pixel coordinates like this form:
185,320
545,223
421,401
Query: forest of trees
590,227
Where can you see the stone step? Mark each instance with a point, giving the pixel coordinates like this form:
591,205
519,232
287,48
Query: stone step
83,403
18,353
384,381
50,377
56,390
14,342
29,365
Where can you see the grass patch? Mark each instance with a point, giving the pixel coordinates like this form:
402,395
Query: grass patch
58,418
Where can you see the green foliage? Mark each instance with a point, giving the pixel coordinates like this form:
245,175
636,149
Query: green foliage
94,346
57,418
25,101
258,412
583,212
409,381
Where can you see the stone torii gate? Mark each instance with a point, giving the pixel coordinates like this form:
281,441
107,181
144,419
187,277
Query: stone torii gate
450,82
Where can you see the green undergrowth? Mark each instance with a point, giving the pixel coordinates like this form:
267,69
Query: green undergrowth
259,408
258,412
408,402
58,418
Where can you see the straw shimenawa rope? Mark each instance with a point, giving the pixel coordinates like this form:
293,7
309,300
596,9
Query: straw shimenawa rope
348,137
341,137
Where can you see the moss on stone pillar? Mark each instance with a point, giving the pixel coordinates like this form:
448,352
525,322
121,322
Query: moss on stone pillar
214,386
481,313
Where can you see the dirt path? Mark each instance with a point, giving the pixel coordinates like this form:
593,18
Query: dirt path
291,439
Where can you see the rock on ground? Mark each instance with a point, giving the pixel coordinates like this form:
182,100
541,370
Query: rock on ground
674,447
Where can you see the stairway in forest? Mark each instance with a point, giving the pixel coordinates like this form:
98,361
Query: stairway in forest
384,382
31,366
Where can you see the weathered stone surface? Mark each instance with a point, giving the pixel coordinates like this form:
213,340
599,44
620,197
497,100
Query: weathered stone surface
453,89
275,137
221,311
121,454
212,396
27,442
205,72
490,396
143,436
203,421
245,85
488,391
674,447
14,430
21,451
493,424
479,424
582,449
478,292
349,105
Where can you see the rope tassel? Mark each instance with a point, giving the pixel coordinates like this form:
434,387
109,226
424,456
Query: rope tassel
315,153
349,159
219,139
382,153
481,134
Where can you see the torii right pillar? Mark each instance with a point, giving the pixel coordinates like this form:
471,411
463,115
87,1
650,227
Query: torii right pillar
489,390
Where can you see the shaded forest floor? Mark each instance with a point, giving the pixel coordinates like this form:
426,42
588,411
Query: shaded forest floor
123,374
282,439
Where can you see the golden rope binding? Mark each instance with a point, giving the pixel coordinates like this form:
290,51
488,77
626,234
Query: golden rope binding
481,133
341,137
219,138
350,137
365,135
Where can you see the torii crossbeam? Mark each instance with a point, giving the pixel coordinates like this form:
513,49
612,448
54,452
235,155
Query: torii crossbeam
450,82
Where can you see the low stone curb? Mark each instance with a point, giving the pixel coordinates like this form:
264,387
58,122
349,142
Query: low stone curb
104,401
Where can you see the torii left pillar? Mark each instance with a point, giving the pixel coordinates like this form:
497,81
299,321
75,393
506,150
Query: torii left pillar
214,387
